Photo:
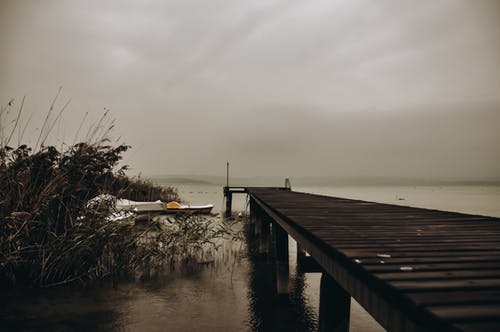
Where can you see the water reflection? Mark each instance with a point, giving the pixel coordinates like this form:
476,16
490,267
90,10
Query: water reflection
237,292
64,309
270,311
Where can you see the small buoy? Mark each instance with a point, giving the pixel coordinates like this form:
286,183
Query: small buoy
357,261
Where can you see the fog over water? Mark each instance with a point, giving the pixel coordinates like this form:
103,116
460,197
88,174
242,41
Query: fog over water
331,88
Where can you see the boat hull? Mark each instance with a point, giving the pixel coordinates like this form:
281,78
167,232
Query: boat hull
158,207
192,210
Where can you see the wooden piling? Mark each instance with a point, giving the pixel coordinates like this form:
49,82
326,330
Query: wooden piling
282,267
264,233
281,242
334,306
300,254
229,203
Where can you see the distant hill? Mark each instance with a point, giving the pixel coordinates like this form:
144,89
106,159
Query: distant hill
172,179
315,180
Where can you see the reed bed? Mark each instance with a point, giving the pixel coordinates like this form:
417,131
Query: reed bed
51,233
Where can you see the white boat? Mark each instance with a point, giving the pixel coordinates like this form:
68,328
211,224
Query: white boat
161,207
174,207
128,205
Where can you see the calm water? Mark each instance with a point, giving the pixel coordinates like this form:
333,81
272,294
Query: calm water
233,294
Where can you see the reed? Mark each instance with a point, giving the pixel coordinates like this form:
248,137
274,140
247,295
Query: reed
51,235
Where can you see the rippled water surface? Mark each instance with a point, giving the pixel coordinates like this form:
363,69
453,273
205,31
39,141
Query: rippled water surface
234,293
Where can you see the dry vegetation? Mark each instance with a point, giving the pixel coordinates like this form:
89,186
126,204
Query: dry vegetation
49,234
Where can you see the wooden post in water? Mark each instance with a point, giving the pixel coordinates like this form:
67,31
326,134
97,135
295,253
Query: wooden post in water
229,201
252,218
334,306
257,225
264,233
281,240
282,266
302,260
300,254
228,195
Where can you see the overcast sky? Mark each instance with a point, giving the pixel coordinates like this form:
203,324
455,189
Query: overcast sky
406,88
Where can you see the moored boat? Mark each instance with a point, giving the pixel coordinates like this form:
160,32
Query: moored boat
159,207
174,207
128,205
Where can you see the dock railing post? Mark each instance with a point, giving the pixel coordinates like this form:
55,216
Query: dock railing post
334,306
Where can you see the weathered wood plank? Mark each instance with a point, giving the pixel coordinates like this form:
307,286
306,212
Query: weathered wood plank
479,326
439,297
443,284
377,268
467,312
439,275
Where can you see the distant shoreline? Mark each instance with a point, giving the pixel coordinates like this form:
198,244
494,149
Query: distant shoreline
321,181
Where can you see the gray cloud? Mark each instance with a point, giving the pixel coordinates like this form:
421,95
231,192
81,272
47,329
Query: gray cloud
325,87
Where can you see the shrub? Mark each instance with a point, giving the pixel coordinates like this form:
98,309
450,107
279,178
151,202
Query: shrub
50,234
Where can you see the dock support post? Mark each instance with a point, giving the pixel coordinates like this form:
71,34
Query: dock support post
306,264
256,217
229,202
301,254
282,266
228,194
263,227
252,218
334,306
281,240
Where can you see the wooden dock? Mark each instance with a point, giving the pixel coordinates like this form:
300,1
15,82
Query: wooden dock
412,269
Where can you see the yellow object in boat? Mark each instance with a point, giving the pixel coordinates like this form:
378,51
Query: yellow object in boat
173,205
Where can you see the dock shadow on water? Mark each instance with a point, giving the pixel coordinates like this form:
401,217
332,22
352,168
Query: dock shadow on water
232,288
270,311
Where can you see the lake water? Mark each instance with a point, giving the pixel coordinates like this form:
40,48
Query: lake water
233,294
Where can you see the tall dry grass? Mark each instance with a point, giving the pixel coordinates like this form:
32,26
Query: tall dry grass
50,235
